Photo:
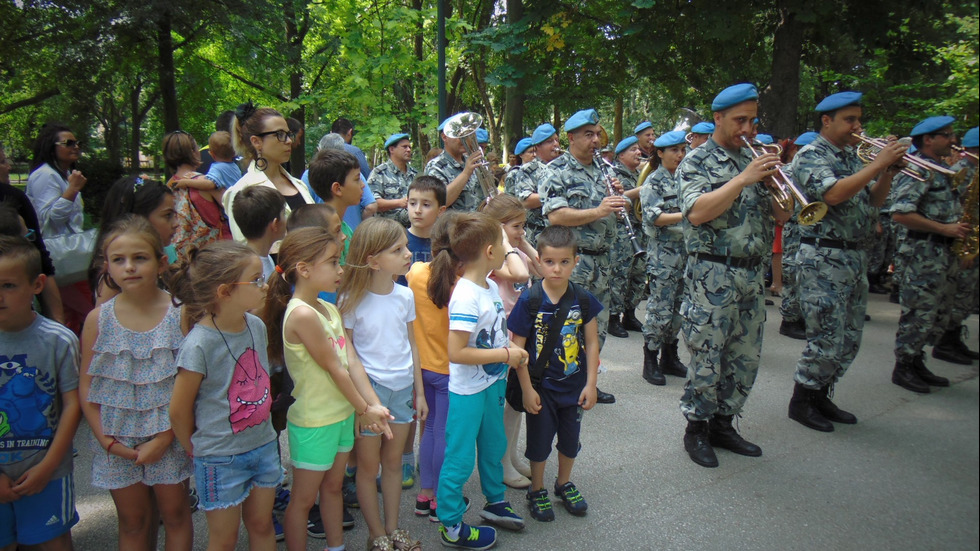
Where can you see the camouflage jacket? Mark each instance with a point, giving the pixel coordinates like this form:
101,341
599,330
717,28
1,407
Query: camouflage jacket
525,181
628,179
387,182
934,199
659,196
572,184
447,169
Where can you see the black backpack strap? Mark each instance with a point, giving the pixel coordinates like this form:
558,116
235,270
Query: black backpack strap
536,371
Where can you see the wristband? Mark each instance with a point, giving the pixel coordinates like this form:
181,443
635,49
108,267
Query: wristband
510,252
111,444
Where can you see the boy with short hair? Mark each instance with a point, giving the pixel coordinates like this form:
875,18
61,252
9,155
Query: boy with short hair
426,201
336,177
39,409
261,215
566,384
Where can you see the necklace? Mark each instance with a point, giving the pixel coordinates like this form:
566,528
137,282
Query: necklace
232,354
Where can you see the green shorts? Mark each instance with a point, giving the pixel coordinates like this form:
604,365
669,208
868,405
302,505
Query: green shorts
314,448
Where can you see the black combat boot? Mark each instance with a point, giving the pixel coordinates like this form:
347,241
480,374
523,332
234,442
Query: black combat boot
803,411
630,323
928,377
821,401
955,337
721,434
616,328
904,375
670,363
793,329
947,351
697,445
651,368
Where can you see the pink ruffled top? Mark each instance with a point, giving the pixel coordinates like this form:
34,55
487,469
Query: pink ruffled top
133,374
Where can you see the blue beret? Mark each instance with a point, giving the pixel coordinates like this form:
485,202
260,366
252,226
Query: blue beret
674,137
522,146
482,136
932,124
834,102
805,138
542,133
734,95
703,128
580,119
395,138
443,124
626,144
971,138
763,138
642,126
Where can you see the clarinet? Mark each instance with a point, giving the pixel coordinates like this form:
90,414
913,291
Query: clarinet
607,176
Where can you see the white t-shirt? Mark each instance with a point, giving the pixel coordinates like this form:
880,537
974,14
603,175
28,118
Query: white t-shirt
480,312
379,326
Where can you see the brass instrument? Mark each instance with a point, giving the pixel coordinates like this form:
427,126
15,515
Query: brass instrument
917,168
784,190
968,247
463,127
964,152
607,177
645,173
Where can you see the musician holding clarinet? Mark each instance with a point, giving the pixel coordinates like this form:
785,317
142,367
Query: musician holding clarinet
729,239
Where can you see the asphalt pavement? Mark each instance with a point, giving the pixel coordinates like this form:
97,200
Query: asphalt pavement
904,477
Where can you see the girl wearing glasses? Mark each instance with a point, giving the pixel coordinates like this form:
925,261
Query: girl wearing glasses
263,138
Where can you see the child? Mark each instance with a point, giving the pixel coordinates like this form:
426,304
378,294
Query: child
127,381
319,215
307,334
379,316
426,201
224,171
39,410
261,215
479,354
336,177
555,403
512,279
221,402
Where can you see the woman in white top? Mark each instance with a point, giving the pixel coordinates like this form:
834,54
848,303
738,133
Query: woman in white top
263,138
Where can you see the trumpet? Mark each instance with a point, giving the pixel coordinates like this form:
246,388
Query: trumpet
607,176
784,191
962,151
917,168
463,127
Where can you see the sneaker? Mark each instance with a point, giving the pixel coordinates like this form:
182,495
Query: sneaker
408,478
503,515
277,526
422,505
349,490
573,500
539,504
470,537
314,524
282,499
433,517
193,499
348,521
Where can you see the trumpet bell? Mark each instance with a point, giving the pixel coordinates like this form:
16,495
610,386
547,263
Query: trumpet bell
462,125
811,213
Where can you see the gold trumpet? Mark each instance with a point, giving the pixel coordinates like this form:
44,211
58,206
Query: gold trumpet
784,191
964,152
917,168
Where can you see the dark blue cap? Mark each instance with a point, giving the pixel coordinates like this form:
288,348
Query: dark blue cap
669,139
805,138
703,128
542,133
642,126
395,138
836,101
625,144
763,138
932,125
580,119
971,138
734,95
522,146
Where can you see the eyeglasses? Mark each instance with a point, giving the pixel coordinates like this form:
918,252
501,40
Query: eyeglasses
281,135
258,282
69,143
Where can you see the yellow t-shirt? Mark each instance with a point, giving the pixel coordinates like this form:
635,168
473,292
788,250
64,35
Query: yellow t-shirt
431,323
318,400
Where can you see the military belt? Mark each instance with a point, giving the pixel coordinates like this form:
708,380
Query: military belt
929,236
819,242
594,252
736,261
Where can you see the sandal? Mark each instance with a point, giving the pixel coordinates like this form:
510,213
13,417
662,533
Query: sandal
403,542
380,543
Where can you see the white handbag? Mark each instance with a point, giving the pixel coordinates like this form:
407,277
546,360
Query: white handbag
71,253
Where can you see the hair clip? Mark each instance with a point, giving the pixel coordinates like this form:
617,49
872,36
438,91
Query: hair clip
279,269
244,111
137,184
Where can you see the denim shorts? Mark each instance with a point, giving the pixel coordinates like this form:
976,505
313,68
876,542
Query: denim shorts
225,481
400,403
44,516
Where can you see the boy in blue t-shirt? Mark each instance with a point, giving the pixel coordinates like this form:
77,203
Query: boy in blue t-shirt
568,384
426,201
39,409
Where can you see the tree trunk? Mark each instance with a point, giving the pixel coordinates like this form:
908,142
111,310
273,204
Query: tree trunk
294,43
134,131
513,95
168,79
618,121
779,101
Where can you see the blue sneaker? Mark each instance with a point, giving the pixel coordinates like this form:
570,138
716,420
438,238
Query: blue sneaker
503,515
282,499
470,537
572,499
277,526
408,476
539,505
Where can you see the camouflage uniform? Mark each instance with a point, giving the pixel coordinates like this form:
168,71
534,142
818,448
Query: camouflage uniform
833,264
627,291
665,260
789,307
524,183
447,169
929,267
387,182
571,184
723,308
967,293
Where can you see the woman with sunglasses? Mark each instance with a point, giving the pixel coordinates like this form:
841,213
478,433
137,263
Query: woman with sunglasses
262,136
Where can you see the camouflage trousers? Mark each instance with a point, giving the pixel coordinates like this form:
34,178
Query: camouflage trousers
629,286
789,306
898,232
592,272
531,232
926,293
883,250
665,270
965,295
723,318
834,298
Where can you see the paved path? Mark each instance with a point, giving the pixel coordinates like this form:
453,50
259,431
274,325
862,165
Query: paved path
904,477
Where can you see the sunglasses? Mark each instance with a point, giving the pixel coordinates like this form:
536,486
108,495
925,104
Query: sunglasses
69,143
258,282
281,135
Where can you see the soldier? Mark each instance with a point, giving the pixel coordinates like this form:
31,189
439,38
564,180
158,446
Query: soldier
700,133
789,307
930,213
544,142
463,192
525,154
729,236
645,135
574,194
832,258
389,181
665,261
627,291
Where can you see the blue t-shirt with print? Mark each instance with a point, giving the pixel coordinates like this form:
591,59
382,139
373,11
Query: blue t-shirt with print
421,248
